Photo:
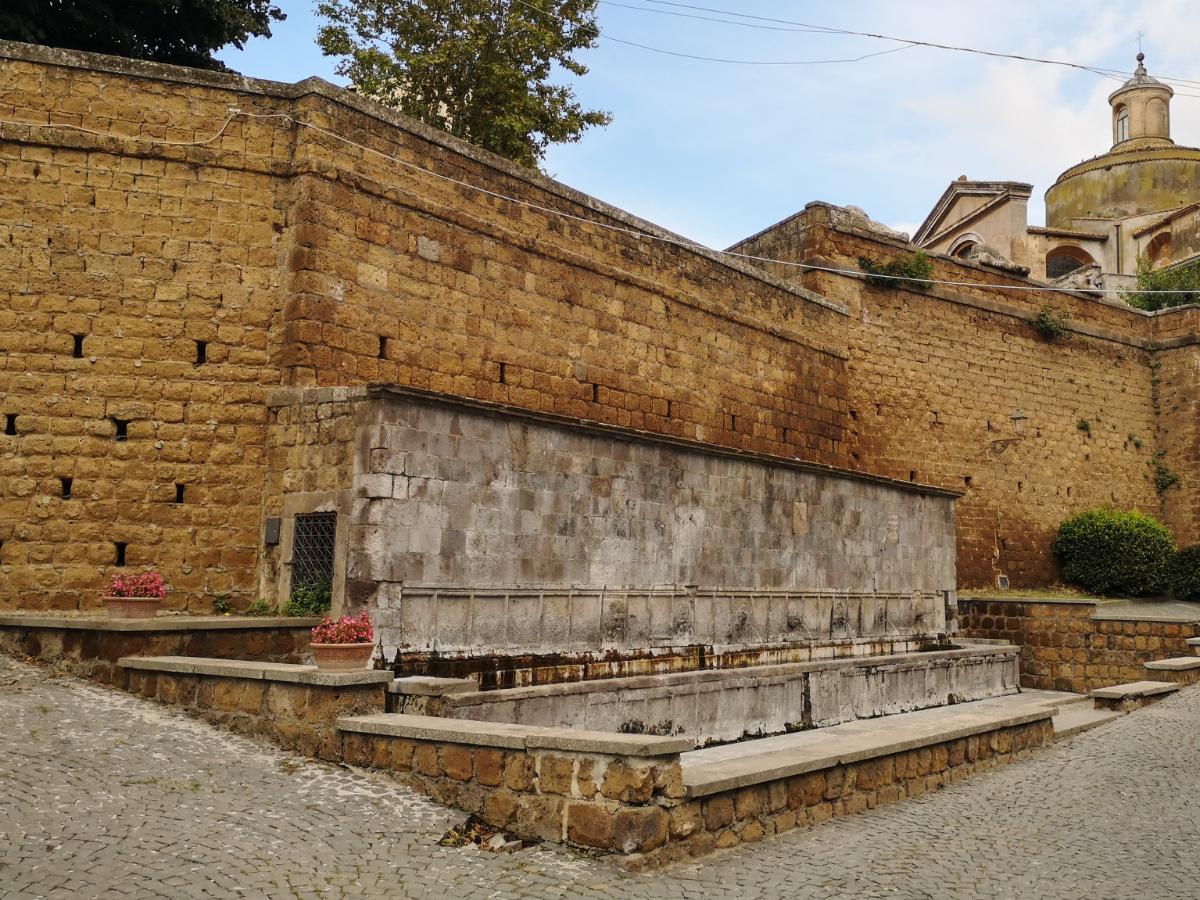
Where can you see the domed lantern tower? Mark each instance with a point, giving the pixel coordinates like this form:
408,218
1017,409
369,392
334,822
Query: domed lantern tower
1144,172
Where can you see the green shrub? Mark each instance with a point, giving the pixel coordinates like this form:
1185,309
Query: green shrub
1112,551
912,270
221,604
260,607
1176,278
312,598
1050,323
1184,577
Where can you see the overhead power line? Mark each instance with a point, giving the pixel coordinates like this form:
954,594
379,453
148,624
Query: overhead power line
770,23
549,210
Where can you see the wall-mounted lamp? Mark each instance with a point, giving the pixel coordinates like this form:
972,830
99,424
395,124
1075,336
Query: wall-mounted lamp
1018,420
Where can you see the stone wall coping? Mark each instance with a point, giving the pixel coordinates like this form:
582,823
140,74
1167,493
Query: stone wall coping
319,87
1171,611
1135,689
618,432
428,686
514,737
781,671
1018,598
732,766
254,671
155,623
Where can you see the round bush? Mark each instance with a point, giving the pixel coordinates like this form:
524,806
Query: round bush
1112,551
1184,576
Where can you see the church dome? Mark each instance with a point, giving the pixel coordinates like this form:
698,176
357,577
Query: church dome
1143,172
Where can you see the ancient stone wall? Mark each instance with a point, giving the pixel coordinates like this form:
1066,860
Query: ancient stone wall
938,375
163,275
162,278
1064,649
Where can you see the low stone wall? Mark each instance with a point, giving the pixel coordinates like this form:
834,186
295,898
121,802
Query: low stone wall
731,704
294,706
1064,647
593,791
90,647
590,789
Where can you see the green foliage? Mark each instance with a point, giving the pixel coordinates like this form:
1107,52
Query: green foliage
478,69
1050,323
310,599
260,607
183,32
1164,478
1084,425
911,270
1178,278
221,604
1184,576
1111,551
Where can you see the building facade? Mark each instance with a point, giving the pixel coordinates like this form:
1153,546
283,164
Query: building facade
1137,201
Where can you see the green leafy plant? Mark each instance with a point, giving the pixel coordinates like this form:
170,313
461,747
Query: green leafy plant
1176,278
1112,551
1164,479
1050,323
1184,576
260,607
221,604
912,270
1084,425
312,598
478,69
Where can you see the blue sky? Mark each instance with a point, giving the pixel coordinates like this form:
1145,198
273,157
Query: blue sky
718,151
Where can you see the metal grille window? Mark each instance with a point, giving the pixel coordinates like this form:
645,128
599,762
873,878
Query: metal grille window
312,553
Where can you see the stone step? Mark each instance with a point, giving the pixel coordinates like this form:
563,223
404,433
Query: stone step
1175,664
1054,698
1076,718
1193,642
1133,694
732,766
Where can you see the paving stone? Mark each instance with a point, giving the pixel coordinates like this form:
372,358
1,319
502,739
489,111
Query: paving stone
106,795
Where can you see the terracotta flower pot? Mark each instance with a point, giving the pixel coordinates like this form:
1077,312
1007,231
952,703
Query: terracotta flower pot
132,607
343,657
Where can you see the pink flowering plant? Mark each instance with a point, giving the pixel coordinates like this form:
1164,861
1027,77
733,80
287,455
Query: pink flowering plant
346,630
142,585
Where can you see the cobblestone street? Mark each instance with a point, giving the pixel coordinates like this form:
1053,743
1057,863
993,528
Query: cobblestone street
105,795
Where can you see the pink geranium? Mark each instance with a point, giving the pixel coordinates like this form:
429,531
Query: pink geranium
346,630
143,584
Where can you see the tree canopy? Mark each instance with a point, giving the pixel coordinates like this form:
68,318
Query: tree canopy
478,69
183,32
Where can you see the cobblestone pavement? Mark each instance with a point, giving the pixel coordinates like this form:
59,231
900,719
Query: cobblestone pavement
106,795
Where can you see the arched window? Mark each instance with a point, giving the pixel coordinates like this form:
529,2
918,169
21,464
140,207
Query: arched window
1063,260
1159,248
1122,124
963,250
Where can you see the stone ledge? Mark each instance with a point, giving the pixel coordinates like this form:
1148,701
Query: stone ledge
254,671
1135,689
471,696
155,623
733,766
428,686
1017,598
514,737
1174,664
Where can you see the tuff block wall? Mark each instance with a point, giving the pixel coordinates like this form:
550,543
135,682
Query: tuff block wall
175,244
205,215
952,385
